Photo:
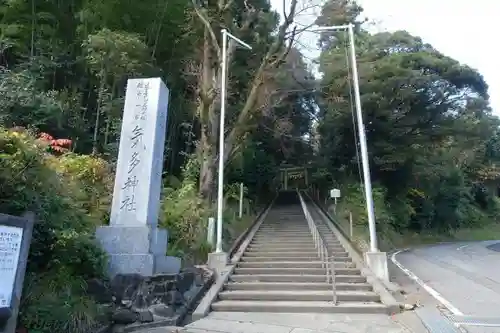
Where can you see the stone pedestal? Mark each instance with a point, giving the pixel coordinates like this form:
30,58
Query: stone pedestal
377,262
137,250
217,261
133,241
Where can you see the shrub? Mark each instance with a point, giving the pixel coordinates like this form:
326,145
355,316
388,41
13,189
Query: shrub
63,252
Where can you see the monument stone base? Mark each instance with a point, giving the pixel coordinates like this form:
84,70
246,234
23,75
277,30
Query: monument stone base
137,250
217,261
377,262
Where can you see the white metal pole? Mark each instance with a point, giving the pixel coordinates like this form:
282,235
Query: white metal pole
362,142
241,200
351,231
220,185
210,231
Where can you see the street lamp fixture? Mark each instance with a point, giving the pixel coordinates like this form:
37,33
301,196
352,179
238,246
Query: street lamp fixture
220,187
361,133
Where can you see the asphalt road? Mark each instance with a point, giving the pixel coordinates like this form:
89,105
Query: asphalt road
465,275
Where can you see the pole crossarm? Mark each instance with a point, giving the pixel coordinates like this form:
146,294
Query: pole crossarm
332,28
239,41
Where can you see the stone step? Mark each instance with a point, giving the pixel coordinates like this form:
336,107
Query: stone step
290,258
299,295
291,264
279,241
286,224
299,254
284,232
278,252
284,242
296,286
278,271
270,248
295,278
294,270
285,228
329,238
267,253
298,307
267,239
287,233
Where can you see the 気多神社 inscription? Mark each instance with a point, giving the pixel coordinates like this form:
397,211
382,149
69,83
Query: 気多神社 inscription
140,158
10,247
133,240
137,146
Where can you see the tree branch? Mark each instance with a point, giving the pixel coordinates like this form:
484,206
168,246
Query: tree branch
258,80
205,20
279,59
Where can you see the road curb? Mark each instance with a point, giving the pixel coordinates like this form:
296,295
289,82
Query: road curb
434,293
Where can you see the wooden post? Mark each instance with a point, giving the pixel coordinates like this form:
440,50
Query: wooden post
351,231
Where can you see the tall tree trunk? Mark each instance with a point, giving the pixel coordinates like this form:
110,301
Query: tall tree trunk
206,147
207,168
210,85
102,87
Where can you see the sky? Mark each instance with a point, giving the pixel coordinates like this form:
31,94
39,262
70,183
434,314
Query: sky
463,30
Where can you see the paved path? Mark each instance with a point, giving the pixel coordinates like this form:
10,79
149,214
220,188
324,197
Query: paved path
239,322
465,275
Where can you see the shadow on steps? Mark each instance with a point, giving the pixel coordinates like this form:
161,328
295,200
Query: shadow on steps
288,198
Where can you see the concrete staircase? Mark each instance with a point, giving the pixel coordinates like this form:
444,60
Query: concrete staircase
280,271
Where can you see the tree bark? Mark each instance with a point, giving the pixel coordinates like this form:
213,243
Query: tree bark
210,79
206,147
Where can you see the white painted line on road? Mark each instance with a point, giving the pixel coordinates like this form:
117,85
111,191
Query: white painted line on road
459,323
427,288
462,247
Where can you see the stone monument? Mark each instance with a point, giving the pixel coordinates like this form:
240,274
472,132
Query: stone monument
15,241
133,240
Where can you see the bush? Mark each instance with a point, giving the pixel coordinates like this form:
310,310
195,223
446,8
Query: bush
94,178
63,252
353,201
185,215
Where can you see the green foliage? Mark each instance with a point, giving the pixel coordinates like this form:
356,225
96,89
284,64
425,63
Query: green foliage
63,250
94,178
353,201
432,138
56,302
184,214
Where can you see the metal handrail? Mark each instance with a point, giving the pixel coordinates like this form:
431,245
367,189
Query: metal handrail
327,260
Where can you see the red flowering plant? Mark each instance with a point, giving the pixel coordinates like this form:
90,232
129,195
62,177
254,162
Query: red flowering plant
55,146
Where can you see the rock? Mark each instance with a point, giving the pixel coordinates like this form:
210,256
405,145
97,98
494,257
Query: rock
188,295
118,329
408,307
142,300
185,280
179,299
124,316
199,275
161,286
124,286
162,310
145,316
100,291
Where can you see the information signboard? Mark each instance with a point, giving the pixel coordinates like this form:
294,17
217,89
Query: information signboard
10,249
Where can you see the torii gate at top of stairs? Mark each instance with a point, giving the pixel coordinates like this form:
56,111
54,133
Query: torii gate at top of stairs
293,178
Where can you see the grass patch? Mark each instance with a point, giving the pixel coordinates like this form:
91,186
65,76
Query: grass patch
390,240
